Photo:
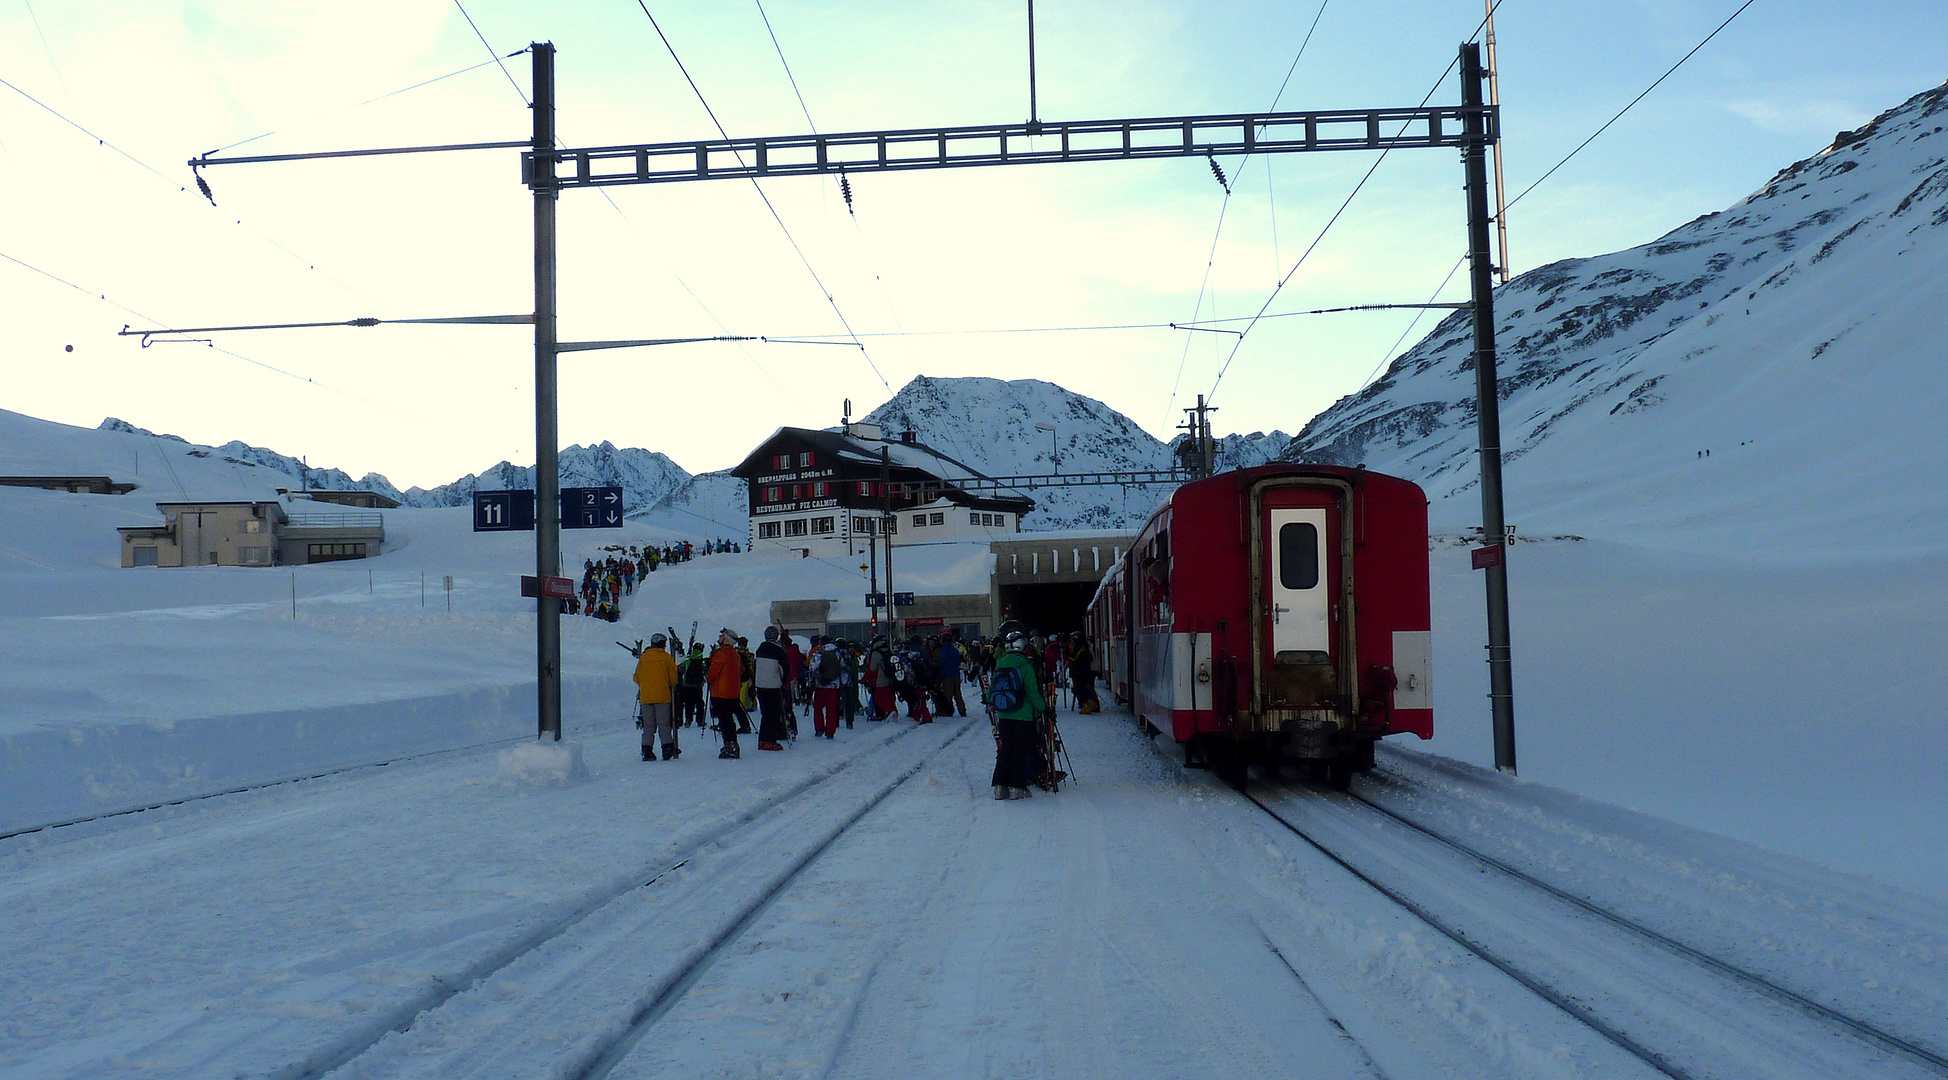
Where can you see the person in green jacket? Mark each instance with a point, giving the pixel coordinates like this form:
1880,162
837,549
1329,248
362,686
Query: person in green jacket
1016,696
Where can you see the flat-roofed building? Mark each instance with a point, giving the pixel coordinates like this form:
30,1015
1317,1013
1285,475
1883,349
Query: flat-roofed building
253,533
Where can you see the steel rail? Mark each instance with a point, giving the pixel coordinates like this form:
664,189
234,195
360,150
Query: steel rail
1561,1001
1760,983
283,782
600,1062
333,1057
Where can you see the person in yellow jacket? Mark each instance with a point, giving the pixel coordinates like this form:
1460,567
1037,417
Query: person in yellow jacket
655,691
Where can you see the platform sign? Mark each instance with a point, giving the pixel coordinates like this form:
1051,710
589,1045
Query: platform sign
1485,557
875,599
559,588
902,599
591,508
503,511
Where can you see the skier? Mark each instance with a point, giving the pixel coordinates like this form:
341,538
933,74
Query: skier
828,675
1016,696
1082,672
950,665
773,663
655,679
879,676
690,685
849,684
726,679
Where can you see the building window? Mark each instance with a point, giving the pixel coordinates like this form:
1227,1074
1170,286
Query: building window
975,519
937,519
824,525
819,490
334,552
865,487
797,492
919,521
780,462
805,460
145,556
795,527
863,525
254,556
769,530
253,526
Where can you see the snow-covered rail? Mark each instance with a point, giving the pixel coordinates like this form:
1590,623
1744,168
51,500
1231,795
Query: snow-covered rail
596,727
608,962
1677,1008
1760,983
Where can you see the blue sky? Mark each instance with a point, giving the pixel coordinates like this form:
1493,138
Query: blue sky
957,250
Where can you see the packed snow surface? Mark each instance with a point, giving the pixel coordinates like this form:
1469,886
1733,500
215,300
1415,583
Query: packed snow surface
293,822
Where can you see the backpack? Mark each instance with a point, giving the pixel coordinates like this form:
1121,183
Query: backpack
1007,692
829,668
899,668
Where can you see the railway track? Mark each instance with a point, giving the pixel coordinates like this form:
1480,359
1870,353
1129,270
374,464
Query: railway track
598,727
1678,1009
585,955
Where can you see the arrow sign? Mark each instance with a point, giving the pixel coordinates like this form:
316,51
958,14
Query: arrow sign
902,599
592,508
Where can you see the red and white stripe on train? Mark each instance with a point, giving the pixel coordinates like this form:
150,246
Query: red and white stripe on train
1275,614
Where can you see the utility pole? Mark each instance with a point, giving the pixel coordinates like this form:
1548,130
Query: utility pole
1034,115
886,523
547,479
1495,102
1197,424
1501,687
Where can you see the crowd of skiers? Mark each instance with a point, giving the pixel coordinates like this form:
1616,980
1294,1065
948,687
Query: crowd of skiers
1016,677
607,580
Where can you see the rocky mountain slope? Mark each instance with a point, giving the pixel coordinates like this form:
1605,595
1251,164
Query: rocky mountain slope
1703,385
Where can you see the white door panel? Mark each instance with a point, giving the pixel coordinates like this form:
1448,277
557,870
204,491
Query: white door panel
1301,596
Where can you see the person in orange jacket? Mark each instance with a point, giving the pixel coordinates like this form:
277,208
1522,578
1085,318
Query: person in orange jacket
726,681
655,692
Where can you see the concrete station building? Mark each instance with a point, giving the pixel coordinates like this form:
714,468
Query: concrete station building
251,533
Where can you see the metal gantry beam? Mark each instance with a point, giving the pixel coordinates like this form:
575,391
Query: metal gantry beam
1030,143
924,489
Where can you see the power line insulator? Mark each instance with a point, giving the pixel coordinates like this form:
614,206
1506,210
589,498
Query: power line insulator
1218,172
845,189
204,186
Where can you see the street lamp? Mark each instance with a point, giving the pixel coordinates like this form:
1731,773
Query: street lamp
1054,461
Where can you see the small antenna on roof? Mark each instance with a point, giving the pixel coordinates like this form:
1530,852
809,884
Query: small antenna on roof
846,420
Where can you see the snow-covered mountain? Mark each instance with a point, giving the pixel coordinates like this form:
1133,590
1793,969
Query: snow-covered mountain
645,476
1699,389
991,425
295,471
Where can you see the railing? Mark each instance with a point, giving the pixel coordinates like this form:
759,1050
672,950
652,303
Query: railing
355,519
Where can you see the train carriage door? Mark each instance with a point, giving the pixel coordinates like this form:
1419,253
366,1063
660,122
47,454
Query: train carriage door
1301,592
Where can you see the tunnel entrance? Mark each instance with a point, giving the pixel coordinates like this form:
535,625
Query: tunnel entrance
1052,608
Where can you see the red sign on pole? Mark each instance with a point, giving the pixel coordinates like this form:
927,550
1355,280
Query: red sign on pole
558,588
930,621
1485,557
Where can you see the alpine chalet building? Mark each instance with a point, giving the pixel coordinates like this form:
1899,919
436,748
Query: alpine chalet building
822,493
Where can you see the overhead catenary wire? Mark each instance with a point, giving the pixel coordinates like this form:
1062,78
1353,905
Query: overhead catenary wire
386,95
511,80
1217,233
759,188
103,298
495,57
184,188
1633,102
1551,171
1384,152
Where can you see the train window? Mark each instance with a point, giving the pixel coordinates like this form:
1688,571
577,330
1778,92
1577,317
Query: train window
1298,555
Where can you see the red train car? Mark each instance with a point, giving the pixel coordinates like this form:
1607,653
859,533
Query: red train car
1276,613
